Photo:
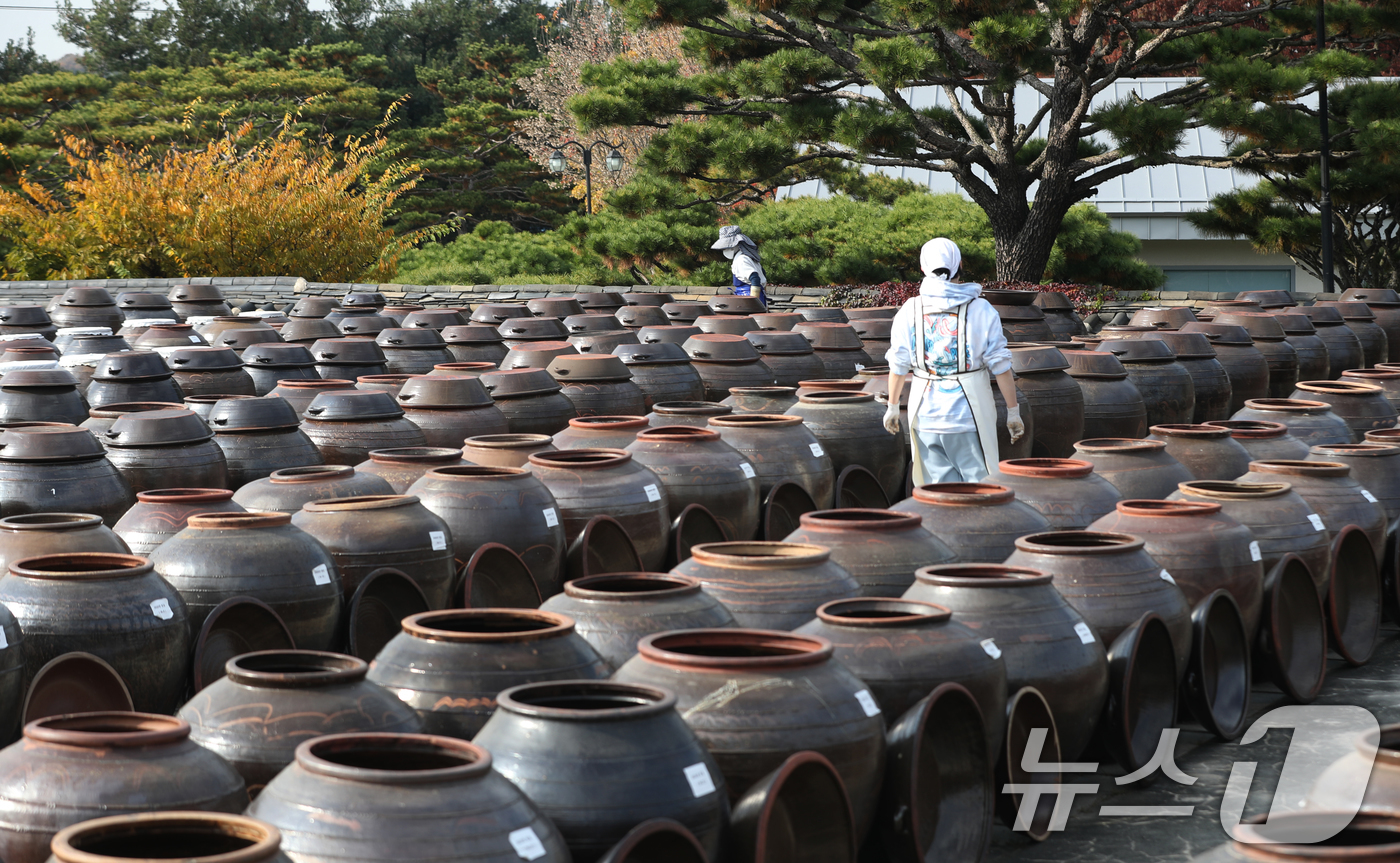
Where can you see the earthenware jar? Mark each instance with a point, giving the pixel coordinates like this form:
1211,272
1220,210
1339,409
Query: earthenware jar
475,343
259,436
308,331
113,606
781,449
131,376
300,392
366,534
1113,407
1363,407
36,534
287,490
196,837
404,797
1384,304
505,450
1344,349
1331,490
70,769
401,467
697,467
1206,451
1137,468
1269,337
1056,399
592,432
1313,359
41,395
1311,422
697,413
165,449
1243,362
536,355
615,611
86,307
412,351
586,482
849,426
879,548
1262,440
788,355
449,665
509,505
345,425
550,738
761,400
1385,378
979,522
348,358
210,371
448,410
159,515
636,317
436,319
1202,548
1060,315
58,468
271,363
1163,317
837,345
1167,389
790,695
1064,490
904,648
16,320
598,385
532,401
270,701
1372,466
1359,318
662,371
725,361
734,325
197,300
259,554
769,585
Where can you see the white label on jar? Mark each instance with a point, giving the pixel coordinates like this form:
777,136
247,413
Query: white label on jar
1254,553
195,339
747,469
859,366
990,647
1316,521
653,493
817,450
701,782
1366,494
526,843
321,575
867,703
4,642
551,518
1166,576
439,539
1085,634
159,607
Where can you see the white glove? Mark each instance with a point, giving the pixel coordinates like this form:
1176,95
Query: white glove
1014,424
892,418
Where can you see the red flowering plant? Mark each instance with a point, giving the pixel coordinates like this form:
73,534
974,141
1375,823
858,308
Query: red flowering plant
1085,298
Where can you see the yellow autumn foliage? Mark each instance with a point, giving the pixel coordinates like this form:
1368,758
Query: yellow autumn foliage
280,206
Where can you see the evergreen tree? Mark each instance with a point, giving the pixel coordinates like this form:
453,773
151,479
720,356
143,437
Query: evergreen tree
799,89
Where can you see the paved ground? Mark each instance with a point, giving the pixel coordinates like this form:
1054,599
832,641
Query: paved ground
1090,838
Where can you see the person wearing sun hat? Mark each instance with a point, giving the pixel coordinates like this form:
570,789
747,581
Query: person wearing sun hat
746,265
950,340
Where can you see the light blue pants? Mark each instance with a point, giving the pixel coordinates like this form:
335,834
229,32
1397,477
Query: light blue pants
953,457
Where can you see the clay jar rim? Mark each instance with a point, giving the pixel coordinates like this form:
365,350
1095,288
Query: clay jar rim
1298,467
628,701
1261,845
512,440
105,729
768,649
264,839
678,434
414,454
1350,388
294,669
618,422
641,586
1046,468
752,421
888,612
1346,450
1250,429
312,473
81,566
1373,435
1119,445
859,519
681,408
964,494
182,495
600,458
477,471
753,554
317,383
312,756
834,397
1152,508
1378,374
1231,490
361,503
981,575
1079,542
1384,742
117,409
53,521
1198,431
769,390
238,520
1301,406
532,625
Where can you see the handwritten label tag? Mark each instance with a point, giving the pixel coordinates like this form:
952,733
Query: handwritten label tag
990,648
747,469
439,539
1166,576
1366,494
653,493
551,518
817,449
701,782
526,843
1254,553
1316,521
867,703
159,607
1085,634
321,574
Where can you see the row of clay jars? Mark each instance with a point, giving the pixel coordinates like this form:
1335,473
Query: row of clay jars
1361,320
1054,397
1167,389
1246,366
1194,352
1271,341
60,469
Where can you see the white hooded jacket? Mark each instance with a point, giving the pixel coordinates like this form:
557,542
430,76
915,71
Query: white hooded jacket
945,409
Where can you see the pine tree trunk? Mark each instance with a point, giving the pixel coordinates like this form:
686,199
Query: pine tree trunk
1023,245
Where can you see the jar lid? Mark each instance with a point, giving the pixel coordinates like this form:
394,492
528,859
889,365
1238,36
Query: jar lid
157,428
350,405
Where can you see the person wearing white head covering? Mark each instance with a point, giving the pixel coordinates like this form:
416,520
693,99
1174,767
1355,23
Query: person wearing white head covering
950,340
746,265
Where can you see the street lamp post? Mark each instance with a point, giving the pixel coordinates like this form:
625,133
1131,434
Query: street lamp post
613,162
1324,204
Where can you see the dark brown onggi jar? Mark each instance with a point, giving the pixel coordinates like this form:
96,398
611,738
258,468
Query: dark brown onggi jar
662,371
978,521
1064,490
300,393
401,467
1137,468
449,665
790,695
697,467
1271,341
1208,452
194,837
781,449
1387,379
505,450
42,533
769,585
1331,490
159,515
532,401
1362,406
850,427
165,449
1310,421
606,431
1359,318
346,425
879,548
694,413
1113,407
586,482
59,468
289,489
1056,399
1373,466
1262,439
1243,362
1344,350
1168,391
70,769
